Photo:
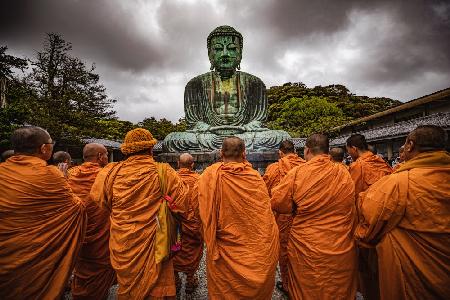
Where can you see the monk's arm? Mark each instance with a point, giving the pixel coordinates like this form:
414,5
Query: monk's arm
178,191
357,176
99,190
269,177
380,209
282,195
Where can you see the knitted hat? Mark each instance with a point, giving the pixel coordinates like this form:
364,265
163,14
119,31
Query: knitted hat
137,140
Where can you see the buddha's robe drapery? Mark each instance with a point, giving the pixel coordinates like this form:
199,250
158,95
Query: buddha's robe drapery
365,171
239,230
200,97
188,258
406,216
42,226
322,261
93,274
272,177
131,191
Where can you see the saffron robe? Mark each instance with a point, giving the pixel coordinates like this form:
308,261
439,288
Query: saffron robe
42,226
239,230
93,274
272,177
322,261
188,258
406,216
131,191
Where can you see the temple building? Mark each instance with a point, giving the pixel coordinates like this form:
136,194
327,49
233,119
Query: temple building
388,129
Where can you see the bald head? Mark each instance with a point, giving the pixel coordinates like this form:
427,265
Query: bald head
186,161
428,138
7,154
337,154
233,149
61,157
28,139
287,147
318,144
95,153
358,141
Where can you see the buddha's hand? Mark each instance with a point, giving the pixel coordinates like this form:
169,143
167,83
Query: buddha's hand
200,127
227,130
254,126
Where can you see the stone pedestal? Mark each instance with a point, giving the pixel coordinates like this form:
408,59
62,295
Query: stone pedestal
259,160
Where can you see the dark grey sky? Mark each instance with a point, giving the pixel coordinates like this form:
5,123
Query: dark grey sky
146,51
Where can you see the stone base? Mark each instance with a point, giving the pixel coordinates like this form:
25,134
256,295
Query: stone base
259,160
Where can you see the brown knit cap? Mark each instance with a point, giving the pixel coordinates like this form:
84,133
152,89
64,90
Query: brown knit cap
137,140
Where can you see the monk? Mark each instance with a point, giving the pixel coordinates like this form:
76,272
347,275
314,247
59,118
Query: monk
7,154
322,261
93,275
406,217
42,222
274,174
131,191
337,156
366,169
188,259
63,161
238,226
401,158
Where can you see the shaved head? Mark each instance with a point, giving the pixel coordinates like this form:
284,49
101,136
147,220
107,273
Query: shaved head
337,154
61,157
318,144
358,141
96,153
233,148
29,139
287,146
186,161
428,138
7,154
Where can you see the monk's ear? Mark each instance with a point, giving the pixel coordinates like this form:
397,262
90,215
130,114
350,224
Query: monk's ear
244,156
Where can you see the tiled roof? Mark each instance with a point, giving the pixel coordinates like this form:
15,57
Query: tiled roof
399,129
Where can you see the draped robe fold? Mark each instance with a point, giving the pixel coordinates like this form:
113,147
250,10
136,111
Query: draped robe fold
42,226
131,191
406,216
93,274
272,177
322,261
239,230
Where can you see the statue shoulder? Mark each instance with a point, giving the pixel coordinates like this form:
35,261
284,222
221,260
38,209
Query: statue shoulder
251,78
199,79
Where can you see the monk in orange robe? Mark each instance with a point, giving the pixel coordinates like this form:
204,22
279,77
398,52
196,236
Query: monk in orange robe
42,222
93,274
188,259
322,261
337,156
406,216
366,169
131,191
238,227
401,159
272,177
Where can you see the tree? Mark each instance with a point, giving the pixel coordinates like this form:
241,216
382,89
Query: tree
113,129
304,116
160,129
70,99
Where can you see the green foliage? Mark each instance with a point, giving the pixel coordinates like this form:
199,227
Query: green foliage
304,116
163,127
349,107
113,129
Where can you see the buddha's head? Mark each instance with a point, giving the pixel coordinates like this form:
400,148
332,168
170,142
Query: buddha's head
225,48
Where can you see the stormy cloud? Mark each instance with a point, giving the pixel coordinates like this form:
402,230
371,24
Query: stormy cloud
146,51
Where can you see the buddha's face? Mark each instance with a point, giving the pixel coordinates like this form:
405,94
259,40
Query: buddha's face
225,52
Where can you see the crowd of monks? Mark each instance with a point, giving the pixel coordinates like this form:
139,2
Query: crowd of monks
333,229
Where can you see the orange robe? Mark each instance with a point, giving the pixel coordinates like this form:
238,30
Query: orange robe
93,274
131,191
365,171
42,226
239,230
406,216
322,261
188,259
397,166
272,177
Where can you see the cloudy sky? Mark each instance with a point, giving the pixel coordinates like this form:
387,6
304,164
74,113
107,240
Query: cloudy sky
146,51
